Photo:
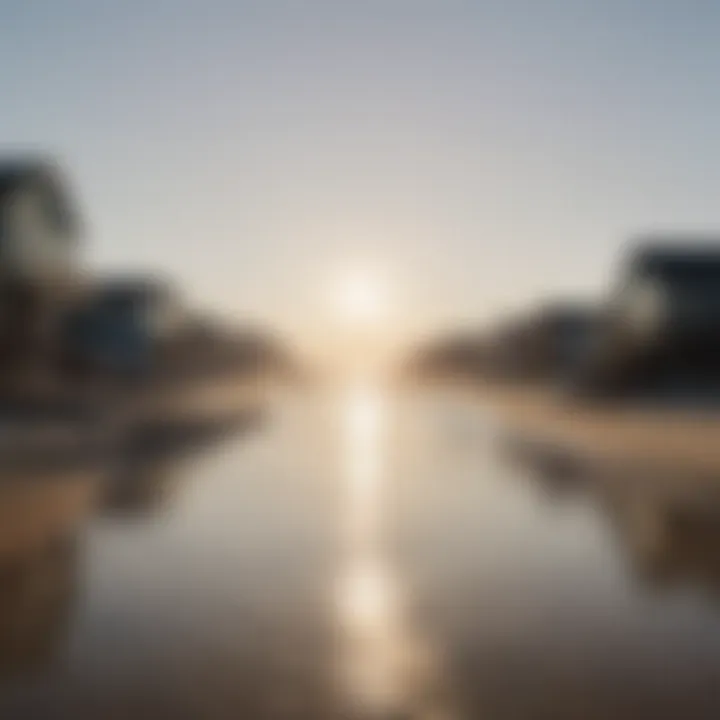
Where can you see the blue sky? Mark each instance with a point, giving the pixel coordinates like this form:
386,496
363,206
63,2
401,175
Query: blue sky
485,153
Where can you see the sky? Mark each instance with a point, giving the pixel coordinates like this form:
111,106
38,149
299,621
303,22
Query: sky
477,155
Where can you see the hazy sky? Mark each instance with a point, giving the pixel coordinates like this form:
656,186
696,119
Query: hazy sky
481,153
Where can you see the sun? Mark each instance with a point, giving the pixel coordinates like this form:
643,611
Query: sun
360,297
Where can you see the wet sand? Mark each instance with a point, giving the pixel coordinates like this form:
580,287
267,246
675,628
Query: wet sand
611,435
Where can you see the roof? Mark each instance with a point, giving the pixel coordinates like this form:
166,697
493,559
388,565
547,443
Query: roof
679,262
42,173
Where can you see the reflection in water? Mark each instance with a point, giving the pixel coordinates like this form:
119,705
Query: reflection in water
386,667
461,590
364,427
43,519
150,475
36,599
144,487
669,543
36,510
40,518
667,528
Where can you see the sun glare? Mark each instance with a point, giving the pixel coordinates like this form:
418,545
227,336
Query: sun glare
360,297
359,317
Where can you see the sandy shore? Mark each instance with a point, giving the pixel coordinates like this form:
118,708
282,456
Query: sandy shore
610,435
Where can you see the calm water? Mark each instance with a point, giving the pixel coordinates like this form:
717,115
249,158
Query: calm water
361,554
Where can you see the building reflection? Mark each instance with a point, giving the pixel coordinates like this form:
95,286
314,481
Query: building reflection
669,542
43,518
37,594
35,510
149,475
667,527
145,486
40,524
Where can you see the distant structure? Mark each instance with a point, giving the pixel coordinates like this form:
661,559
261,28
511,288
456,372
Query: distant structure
656,333
39,224
538,346
545,344
126,348
39,264
119,323
662,327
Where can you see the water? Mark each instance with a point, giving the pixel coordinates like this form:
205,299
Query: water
362,554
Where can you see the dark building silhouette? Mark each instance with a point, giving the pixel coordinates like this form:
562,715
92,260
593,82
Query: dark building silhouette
39,247
662,322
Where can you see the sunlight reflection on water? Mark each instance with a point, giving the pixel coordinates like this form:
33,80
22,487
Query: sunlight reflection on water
383,661
364,430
